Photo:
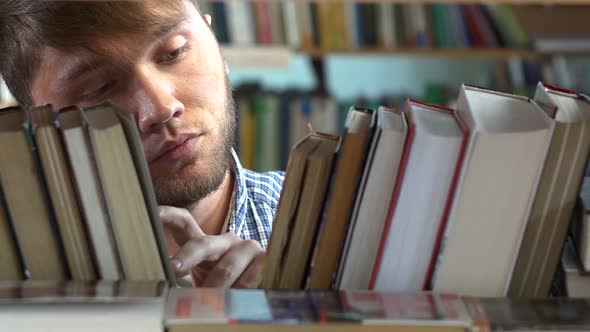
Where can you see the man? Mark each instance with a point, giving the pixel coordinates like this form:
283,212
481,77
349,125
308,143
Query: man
160,61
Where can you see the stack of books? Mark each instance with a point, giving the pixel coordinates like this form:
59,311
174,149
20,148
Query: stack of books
475,200
76,197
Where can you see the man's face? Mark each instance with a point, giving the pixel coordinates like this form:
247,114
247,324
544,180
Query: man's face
176,87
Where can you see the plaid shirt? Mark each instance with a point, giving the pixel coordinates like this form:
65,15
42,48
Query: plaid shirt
254,203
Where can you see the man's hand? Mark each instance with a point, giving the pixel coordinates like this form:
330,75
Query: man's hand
212,260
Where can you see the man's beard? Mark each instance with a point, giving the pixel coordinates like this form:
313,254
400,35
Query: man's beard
186,192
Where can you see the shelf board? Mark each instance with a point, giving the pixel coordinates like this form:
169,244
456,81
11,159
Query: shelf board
429,52
257,56
280,56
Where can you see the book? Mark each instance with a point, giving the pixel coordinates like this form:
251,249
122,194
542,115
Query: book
219,21
339,204
509,138
240,22
266,118
126,205
306,223
292,35
386,25
557,193
89,194
145,182
370,213
10,260
276,23
287,209
56,170
410,241
24,192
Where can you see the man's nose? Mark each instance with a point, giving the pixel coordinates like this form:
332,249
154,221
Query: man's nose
154,101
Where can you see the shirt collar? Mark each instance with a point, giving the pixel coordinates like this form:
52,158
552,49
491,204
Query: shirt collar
235,218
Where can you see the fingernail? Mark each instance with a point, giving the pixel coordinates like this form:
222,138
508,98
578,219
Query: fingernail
177,263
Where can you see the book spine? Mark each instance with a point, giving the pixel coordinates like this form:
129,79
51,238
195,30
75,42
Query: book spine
143,176
394,199
448,204
25,274
30,133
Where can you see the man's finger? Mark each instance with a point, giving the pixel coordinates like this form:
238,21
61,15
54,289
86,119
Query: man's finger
180,224
252,277
231,266
201,249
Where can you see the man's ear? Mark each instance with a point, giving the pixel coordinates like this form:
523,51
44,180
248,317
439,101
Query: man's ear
207,19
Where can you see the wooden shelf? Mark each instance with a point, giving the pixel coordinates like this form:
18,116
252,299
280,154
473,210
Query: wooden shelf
280,56
257,56
429,52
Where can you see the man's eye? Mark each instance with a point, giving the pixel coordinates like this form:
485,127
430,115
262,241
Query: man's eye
102,90
175,55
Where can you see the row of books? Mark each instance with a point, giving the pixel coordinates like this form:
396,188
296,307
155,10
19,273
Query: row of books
337,25
76,197
150,306
475,200
286,115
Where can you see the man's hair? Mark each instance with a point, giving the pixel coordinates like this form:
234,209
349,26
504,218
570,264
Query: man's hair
28,25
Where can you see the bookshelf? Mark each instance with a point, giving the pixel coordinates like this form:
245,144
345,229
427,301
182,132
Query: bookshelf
449,29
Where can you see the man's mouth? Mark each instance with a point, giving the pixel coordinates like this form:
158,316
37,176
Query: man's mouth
178,148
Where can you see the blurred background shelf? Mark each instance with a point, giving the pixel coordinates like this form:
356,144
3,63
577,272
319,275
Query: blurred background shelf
279,56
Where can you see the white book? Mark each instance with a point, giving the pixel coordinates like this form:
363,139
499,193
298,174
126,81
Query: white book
417,15
372,201
508,143
420,210
386,25
90,194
